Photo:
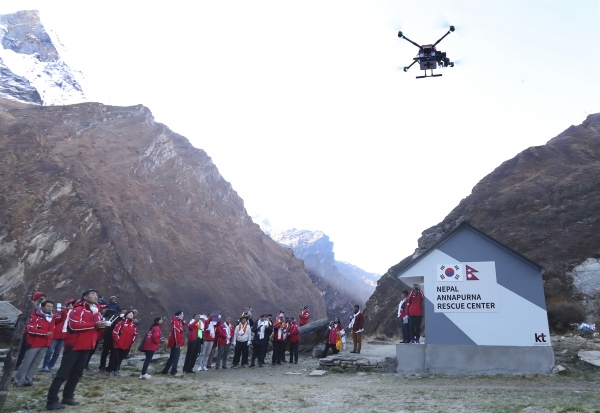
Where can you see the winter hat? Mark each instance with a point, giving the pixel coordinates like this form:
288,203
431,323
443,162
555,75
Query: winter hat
37,295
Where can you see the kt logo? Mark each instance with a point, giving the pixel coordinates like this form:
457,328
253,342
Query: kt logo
540,338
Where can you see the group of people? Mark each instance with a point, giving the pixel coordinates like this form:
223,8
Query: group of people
211,335
410,313
78,327
74,331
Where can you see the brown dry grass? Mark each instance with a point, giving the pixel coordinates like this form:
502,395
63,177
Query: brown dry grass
270,389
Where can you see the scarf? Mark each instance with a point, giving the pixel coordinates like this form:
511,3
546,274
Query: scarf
47,316
280,331
211,328
261,331
66,324
228,332
245,328
352,321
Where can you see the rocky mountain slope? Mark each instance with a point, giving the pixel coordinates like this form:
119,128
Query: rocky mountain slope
545,204
341,284
104,197
31,68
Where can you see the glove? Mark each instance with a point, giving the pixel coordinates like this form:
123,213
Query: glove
249,342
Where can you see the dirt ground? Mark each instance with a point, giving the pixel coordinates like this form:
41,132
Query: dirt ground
288,388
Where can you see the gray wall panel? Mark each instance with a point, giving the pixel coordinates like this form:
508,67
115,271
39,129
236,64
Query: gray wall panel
512,272
440,330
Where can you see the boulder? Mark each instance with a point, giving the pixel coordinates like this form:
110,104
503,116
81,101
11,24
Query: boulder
318,350
312,334
558,369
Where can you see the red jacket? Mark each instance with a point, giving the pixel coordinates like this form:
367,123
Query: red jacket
403,310
415,303
38,328
193,330
176,334
294,332
152,339
124,334
59,321
279,331
82,324
221,334
304,314
359,320
333,331
207,334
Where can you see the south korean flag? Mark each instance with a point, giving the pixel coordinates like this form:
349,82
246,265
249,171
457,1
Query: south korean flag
449,272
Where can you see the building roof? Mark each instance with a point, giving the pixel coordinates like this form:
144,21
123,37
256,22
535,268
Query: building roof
466,225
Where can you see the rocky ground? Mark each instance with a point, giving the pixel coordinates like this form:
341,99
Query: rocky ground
292,388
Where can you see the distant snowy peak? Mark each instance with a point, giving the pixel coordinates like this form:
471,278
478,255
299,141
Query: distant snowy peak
297,238
31,68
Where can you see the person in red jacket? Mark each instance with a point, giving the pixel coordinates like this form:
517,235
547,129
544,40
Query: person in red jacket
293,332
209,340
304,315
415,313
83,324
279,336
40,328
224,336
175,342
334,329
151,343
194,344
357,326
124,335
58,336
37,299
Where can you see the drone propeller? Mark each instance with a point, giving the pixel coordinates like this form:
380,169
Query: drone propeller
402,36
450,30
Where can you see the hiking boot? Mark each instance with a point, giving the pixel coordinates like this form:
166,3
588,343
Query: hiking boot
70,402
251,365
55,406
224,367
217,367
45,368
145,376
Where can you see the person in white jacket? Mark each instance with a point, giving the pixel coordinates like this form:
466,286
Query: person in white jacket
241,342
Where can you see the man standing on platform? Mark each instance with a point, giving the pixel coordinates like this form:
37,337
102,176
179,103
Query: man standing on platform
415,313
357,326
84,321
304,315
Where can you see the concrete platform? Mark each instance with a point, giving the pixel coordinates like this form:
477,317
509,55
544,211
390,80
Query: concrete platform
472,360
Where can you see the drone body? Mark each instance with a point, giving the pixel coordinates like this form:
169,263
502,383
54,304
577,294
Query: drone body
429,57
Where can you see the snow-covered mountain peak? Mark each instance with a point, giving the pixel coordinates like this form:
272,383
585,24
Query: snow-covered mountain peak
31,68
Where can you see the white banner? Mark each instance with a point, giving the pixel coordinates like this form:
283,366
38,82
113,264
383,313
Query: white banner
476,293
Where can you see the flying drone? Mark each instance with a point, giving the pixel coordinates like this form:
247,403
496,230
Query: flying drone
429,57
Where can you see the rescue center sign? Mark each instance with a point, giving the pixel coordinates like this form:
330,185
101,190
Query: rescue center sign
466,287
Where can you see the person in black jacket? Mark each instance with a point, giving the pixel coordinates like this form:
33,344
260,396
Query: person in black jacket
262,331
107,342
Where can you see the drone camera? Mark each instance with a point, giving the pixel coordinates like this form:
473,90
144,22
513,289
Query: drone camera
400,34
405,69
451,28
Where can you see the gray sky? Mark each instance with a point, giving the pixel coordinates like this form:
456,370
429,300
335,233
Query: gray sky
303,108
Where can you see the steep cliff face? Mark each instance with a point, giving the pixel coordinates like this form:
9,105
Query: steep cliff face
31,68
104,197
343,285
544,203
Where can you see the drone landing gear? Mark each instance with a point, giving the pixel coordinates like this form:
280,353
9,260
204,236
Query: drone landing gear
431,75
